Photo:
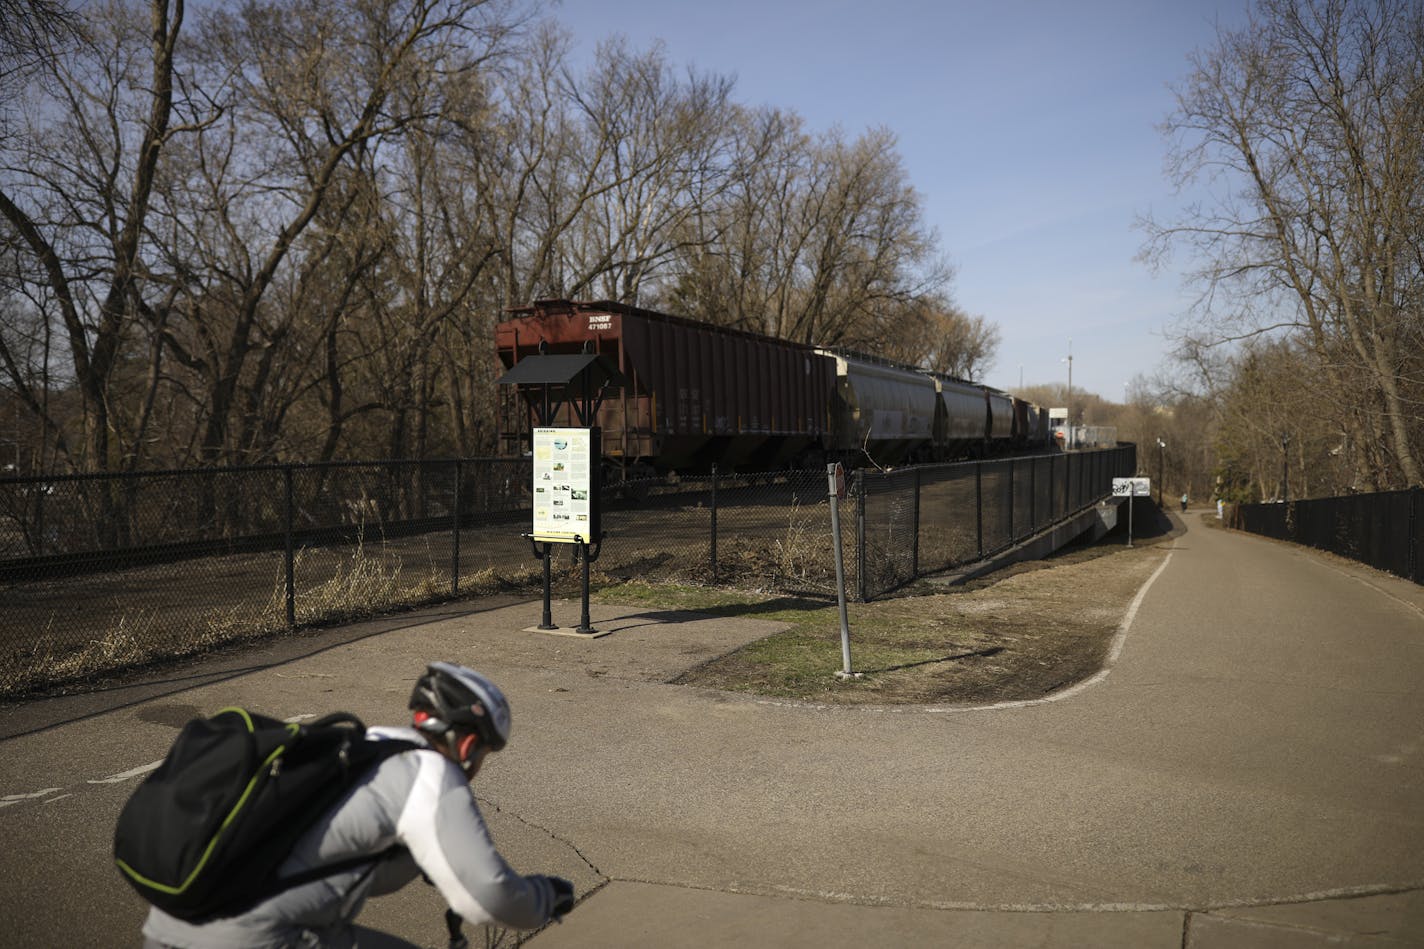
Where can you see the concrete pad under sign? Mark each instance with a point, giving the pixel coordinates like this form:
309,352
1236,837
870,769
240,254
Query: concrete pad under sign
572,633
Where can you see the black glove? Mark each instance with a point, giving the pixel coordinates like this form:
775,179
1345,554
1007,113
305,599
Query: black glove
563,895
453,924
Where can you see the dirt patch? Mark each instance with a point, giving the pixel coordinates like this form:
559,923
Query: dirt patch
1021,633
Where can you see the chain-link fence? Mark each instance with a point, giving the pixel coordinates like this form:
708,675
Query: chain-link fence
925,520
104,572
1384,530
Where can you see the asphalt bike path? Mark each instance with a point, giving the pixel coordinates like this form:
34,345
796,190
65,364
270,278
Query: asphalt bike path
1247,771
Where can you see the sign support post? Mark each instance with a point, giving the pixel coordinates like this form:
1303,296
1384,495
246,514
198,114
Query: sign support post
836,489
1131,488
1130,506
585,625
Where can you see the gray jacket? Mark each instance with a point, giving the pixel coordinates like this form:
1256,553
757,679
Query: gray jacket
419,800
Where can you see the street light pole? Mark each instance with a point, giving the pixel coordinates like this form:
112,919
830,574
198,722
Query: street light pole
1161,468
1069,420
1285,471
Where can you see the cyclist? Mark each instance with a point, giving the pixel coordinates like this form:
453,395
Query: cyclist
413,814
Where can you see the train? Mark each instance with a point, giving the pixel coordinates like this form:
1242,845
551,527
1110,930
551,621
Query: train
694,395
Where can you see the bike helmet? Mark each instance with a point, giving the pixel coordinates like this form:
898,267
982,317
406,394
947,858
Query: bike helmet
450,697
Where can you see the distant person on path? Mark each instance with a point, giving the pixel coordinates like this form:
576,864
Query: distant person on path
418,800
1184,502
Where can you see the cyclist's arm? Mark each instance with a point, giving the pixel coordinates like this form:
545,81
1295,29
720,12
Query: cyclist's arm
446,835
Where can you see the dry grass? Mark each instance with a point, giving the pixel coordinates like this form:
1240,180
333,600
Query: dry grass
360,582
1021,634
53,659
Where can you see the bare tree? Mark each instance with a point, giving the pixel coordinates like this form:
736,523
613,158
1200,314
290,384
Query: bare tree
286,229
866,251
588,181
659,146
310,91
959,344
818,240
32,33
1309,123
526,174
739,268
76,194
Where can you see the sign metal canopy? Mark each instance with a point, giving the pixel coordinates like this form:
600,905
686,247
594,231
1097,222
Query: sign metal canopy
548,381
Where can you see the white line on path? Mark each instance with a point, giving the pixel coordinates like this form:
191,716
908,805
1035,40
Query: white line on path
9,799
119,778
125,775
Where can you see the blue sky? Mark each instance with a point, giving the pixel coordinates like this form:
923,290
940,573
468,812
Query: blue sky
1028,127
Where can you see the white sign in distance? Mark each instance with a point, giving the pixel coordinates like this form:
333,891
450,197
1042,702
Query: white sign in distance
1132,487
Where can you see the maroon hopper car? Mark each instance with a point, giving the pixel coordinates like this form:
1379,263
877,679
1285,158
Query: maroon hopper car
695,394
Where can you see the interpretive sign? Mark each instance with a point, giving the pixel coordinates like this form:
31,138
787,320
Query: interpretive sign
566,503
1132,487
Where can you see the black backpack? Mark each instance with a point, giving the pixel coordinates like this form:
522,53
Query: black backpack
204,834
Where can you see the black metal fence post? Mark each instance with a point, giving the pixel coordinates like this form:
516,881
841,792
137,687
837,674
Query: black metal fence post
915,541
1013,489
290,554
860,536
1416,500
455,535
1052,488
40,489
1032,495
979,509
713,526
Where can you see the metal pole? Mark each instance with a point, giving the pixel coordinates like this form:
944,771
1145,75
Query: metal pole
290,556
1012,489
1416,501
1131,503
834,495
1053,512
860,535
714,523
1161,468
915,542
40,489
1285,470
455,535
979,509
1032,495
548,555
585,623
